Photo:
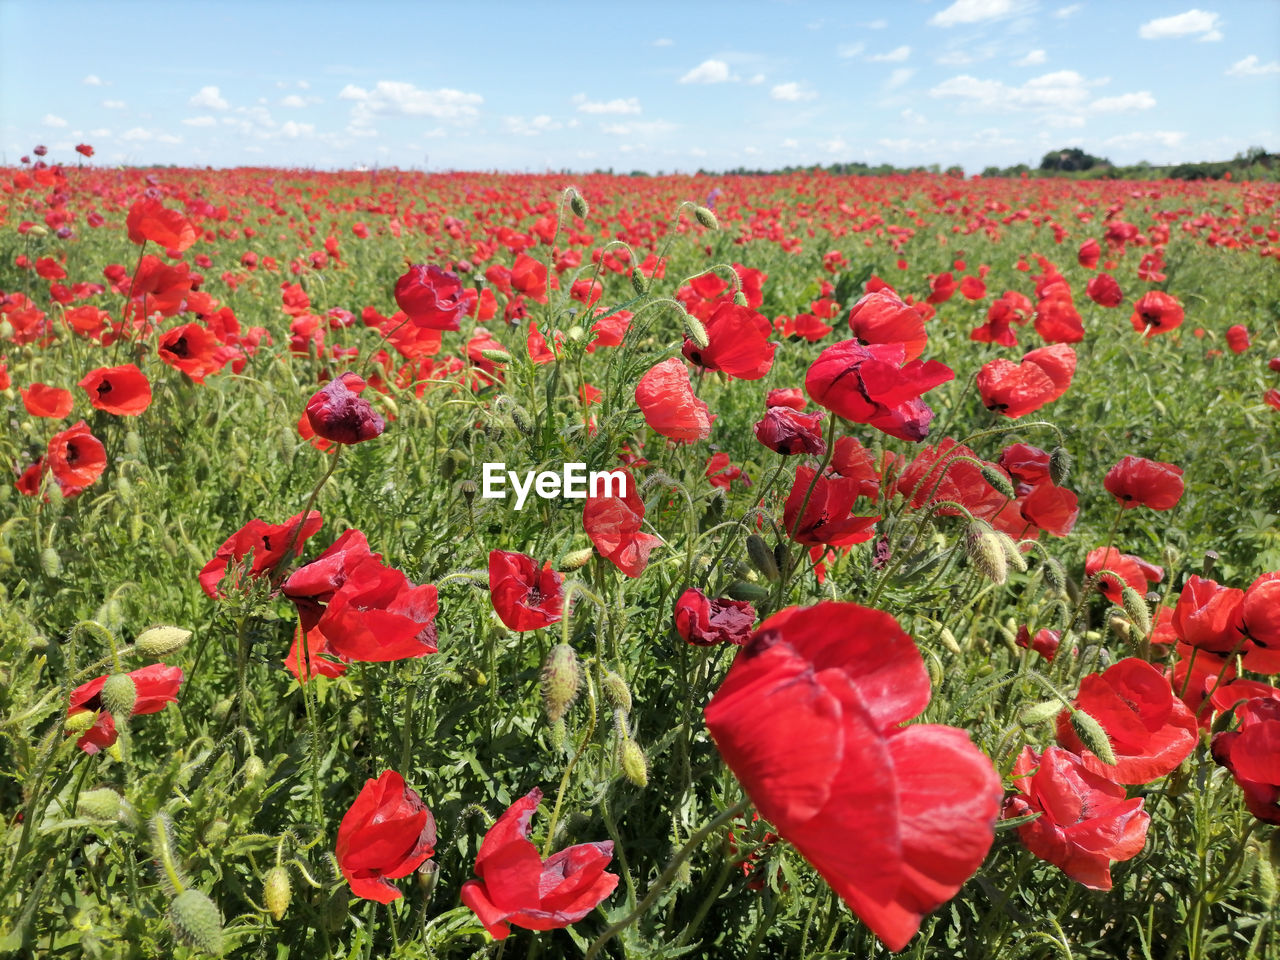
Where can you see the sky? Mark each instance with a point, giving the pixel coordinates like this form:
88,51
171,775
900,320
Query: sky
656,86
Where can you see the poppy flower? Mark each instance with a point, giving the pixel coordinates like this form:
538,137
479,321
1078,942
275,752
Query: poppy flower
1134,571
882,317
787,432
938,473
896,818
1151,730
524,597
827,511
1252,753
873,385
1052,508
1088,254
1156,312
529,277
386,834
515,886
28,482
1057,320
1104,291
1238,338
1010,308
431,297
1209,615
792,397
192,349
1272,398
124,391
670,408
1045,642
84,149
1085,823
336,412
613,524
269,542
704,621
76,458
42,400
738,342
156,685
1016,389
973,288
148,220
1261,611
1139,482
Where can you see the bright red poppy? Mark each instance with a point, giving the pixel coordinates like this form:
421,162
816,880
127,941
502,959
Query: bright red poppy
524,596
336,412
124,391
1261,611
156,685
1238,338
666,399
1252,753
738,342
1016,389
76,458
613,524
1044,642
268,542
148,220
431,297
1139,482
192,349
704,621
1209,615
1156,312
1132,571
1104,291
42,400
827,511
515,886
1088,254
386,834
882,317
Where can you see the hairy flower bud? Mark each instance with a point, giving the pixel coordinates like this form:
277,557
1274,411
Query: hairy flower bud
575,559
50,562
496,355
1036,713
1054,576
1136,607
1059,466
101,804
616,689
635,766
999,481
696,331
276,891
196,921
744,590
1093,736
161,641
740,299
982,545
638,282
578,205
561,678
119,694
762,557
706,218
949,641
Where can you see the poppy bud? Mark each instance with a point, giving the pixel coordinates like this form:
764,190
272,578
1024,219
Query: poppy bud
496,355
762,557
696,331
638,282
1093,736
616,689
101,804
38,230
1267,871
578,205
983,548
1034,714
1012,554
196,921
276,891
161,641
1136,607
124,489
119,694
1054,576
635,766
556,737
50,562
254,770
561,677
133,443
706,218
575,559
743,590
80,722
999,481
520,417
447,466
1059,466
222,708
740,299
948,640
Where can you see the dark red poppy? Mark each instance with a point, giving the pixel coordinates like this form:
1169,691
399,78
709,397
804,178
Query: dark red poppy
1252,753
1151,730
1261,611
76,458
738,342
896,818
1045,642
524,596
787,432
1156,312
148,220
613,524
269,543
1088,254
124,391
1025,463
386,834
670,408
431,297
515,886
192,349
156,685
1085,823
1104,291
872,385
42,400
882,317
1139,482
827,512
84,149
1016,389
336,412
1209,615
704,621
1238,338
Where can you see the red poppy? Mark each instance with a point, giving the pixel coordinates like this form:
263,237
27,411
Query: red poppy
76,458
882,317
268,542
722,473
431,297
84,149
28,482
42,400
1238,338
1045,642
336,412
1057,319
1011,307
670,408
941,287
1051,508
872,385
386,834
192,349
973,288
938,473
738,342
1139,482
148,220
827,511
787,432
1085,821
124,391
1104,291
1025,463
895,818
529,276
524,596
516,886
792,397
1252,753
1134,572
1272,398
1016,389
1261,611
1209,615
156,685
1151,731
613,524
1088,254
1156,312
704,621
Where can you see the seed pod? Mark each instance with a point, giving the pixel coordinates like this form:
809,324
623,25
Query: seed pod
635,766
100,804
616,689
561,678
985,552
1093,736
50,562
999,481
575,559
696,331
468,490
762,557
1136,607
496,355
578,205
1034,714
276,891
1059,466
638,282
751,592
706,218
161,641
119,694
196,921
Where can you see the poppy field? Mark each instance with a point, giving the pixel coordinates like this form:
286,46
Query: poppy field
928,606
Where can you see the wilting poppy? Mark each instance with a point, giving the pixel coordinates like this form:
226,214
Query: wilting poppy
515,886
1252,753
76,458
269,543
1139,482
1085,823
431,297
738,342
1151,731
1209,615
336,412
826,516
1156,312
613,524
896,818
704,621
524,596
156,685
670,408
124,391
882,317
42,400
787,432
386,834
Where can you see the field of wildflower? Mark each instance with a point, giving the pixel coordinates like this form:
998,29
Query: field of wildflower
930,606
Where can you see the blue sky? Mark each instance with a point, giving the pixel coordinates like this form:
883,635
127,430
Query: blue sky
656,86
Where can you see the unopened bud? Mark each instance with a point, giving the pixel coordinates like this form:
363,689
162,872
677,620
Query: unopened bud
496,355
196,921
706,218
1054,576
1034,714
578,205
616,689
50,562
1136,607
762,557
119,694
254,770
740,299
1016,558
276,891
161,641
81,721
557,735
100,804
696,331
561,677
999,481
948,640
38,230
635,766
575,559
1093,736
520,417
983,548
1059,466
744,590
638,282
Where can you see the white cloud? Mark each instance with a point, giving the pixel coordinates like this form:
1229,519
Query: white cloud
1064,13
294,130
875,24
835,145
52,120
644,129
664,42
1186,24
1165,138
910,116
898,78
708,71
200,121
93,80
792,92
975,11
1060,90
789,144
210,98
697,152
756,80
850,50
1250,67
531,128
293,100
100,132
113,104
897,55
168,138
137,133
1033,59
1126,102
954,58
392,97
617,105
